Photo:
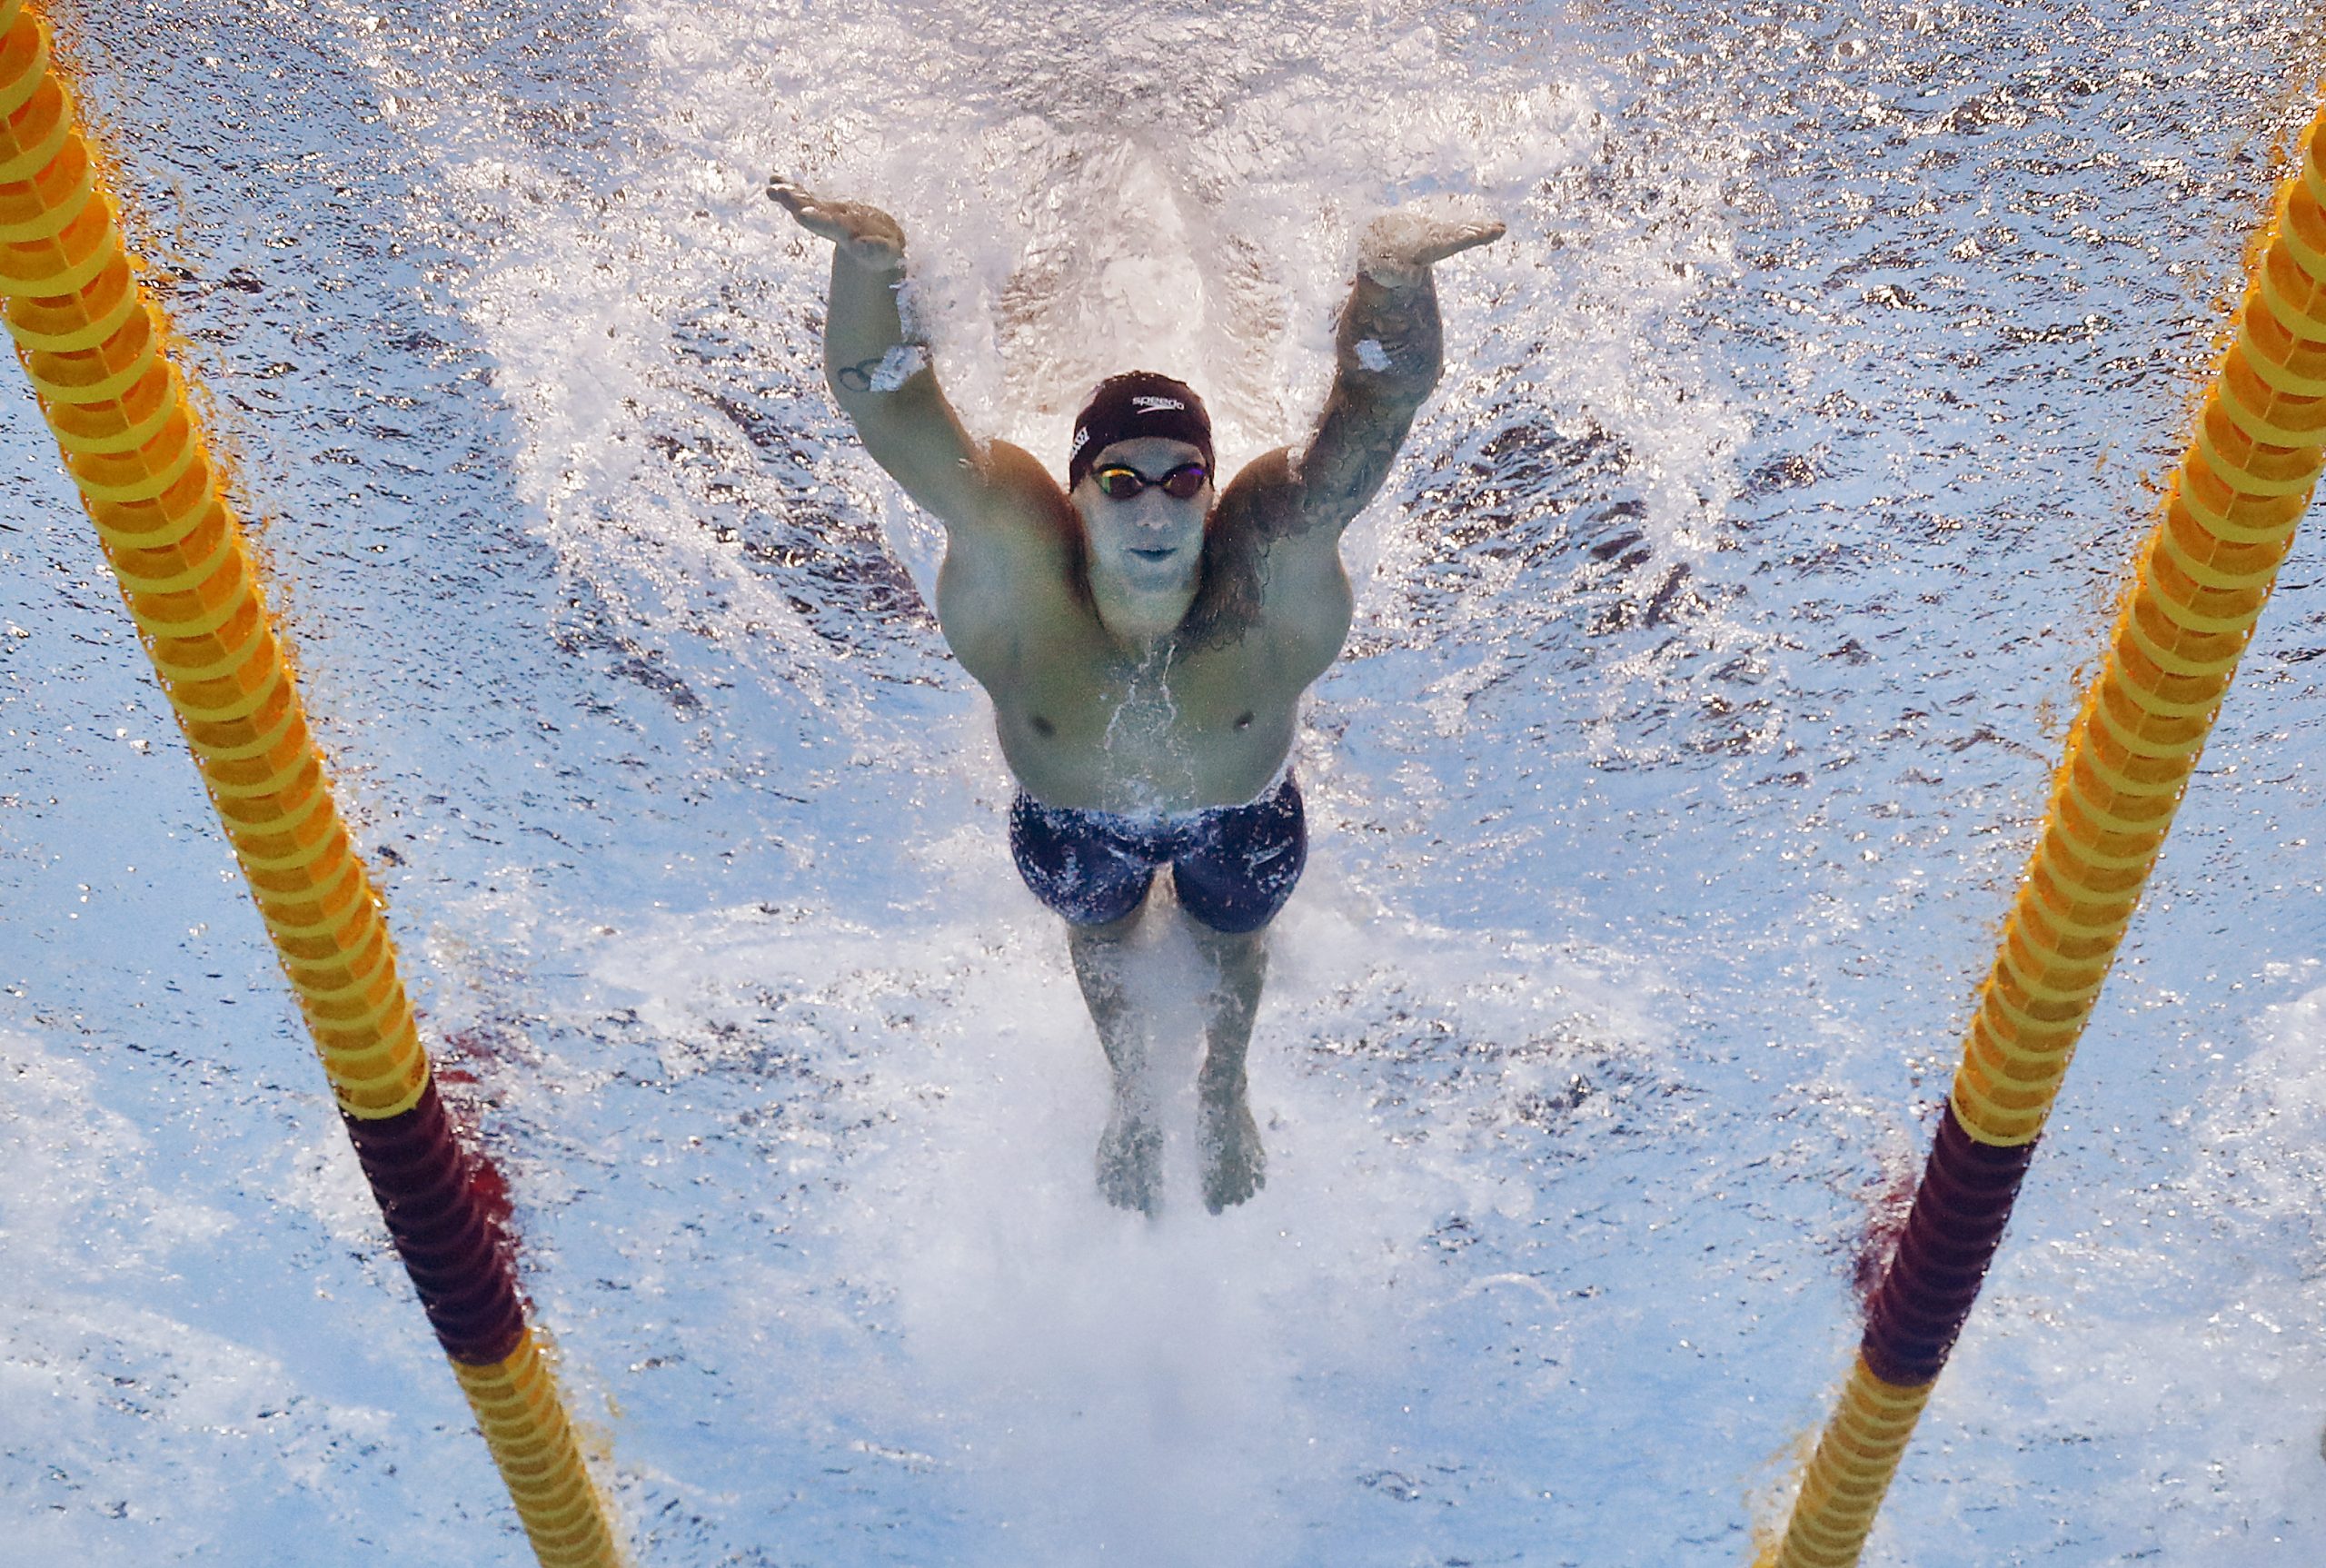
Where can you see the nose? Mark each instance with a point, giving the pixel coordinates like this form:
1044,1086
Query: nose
1153,512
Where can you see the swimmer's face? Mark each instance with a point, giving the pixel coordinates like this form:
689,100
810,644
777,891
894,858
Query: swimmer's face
1146,543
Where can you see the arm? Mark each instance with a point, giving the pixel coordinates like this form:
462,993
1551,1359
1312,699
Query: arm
1389,352
881,379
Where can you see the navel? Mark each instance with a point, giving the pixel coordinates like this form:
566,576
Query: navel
1245,722
1044,726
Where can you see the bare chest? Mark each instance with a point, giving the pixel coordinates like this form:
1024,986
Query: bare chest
1083,726
1206,718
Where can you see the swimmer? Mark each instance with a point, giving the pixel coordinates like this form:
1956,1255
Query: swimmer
1145,635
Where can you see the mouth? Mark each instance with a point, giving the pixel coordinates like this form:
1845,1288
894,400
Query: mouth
1155,556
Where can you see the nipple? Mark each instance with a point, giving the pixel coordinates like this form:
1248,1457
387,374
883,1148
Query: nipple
1044,726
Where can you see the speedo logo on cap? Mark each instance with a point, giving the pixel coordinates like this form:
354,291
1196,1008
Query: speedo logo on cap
1157,404
1081,440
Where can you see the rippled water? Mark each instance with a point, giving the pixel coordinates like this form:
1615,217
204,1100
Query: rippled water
1715,639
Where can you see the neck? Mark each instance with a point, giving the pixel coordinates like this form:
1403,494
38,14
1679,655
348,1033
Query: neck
1142,625
1143,642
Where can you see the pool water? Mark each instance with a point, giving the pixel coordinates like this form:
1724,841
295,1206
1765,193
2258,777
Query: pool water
1716,635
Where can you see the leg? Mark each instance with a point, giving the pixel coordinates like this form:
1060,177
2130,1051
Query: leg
1087,870
1233,876
1235,1164
1130,1151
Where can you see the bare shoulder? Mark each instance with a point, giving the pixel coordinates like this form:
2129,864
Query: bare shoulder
1012,560
1272,571
1267,514
1261,494
1020,509
1013,468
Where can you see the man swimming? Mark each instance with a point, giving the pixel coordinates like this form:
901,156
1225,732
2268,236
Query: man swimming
1146,637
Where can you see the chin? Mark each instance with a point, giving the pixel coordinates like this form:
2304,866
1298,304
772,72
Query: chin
1152,582
1156,585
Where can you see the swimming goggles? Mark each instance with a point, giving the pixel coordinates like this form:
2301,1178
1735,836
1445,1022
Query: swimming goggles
1185,483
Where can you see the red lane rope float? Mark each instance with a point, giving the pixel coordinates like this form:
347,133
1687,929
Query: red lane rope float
92,346
2229,518
431,1194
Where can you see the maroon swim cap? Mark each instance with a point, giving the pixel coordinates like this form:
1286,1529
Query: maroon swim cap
1138,402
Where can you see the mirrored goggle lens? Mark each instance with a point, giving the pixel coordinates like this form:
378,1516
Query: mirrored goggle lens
1120,483
1184,482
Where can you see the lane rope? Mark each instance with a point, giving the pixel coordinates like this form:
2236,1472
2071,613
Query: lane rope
2230,515
94,345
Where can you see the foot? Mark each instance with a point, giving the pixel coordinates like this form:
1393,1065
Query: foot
1235,1166
1131,1163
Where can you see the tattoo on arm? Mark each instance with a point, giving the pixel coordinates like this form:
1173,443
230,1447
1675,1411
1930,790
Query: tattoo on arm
1392,335
1367,467
1390,354
886,373
1355,443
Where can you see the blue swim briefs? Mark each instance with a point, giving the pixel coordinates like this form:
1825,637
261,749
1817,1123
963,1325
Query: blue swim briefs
1234,866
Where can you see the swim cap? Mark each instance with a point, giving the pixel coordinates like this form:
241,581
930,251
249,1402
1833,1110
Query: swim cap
1138,402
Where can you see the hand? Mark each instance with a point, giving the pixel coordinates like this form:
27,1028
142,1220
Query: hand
1400,248
864,233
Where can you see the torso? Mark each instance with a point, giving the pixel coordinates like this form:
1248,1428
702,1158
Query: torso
1208,719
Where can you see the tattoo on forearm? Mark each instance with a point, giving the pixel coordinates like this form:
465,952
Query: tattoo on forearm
887,373
1393,334
1391,352
1367,467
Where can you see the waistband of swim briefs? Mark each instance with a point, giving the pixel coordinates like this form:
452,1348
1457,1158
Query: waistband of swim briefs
1171,821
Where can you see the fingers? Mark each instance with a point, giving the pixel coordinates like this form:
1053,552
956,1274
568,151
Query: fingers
1462,238
864,232
813,214
1398,247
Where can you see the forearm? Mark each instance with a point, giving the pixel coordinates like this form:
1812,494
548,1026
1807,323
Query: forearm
1390,351
866,351
881,377
1391,345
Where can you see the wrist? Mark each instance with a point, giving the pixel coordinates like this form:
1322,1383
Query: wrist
879,264
1390,276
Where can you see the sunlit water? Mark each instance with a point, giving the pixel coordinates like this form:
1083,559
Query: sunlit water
1715,640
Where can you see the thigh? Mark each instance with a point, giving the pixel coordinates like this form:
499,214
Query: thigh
1075,864
1235,872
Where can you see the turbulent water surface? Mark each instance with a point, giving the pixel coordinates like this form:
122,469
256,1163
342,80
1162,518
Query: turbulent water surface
1715,638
